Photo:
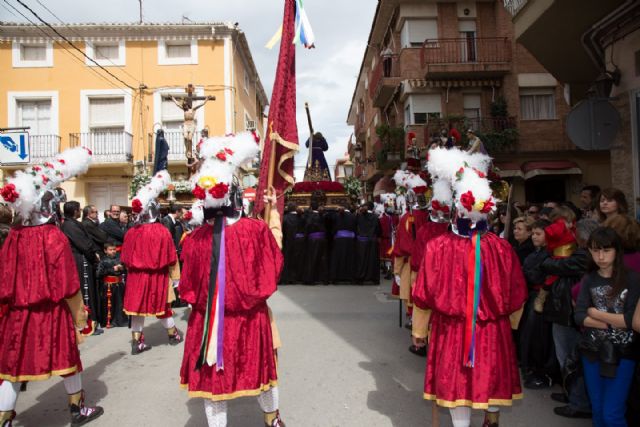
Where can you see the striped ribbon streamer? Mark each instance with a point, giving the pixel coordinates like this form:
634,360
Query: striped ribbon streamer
474,283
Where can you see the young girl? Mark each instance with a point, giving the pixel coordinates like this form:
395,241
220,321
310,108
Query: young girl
605,308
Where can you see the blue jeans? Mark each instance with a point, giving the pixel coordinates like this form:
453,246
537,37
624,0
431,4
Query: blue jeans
608,395
565,338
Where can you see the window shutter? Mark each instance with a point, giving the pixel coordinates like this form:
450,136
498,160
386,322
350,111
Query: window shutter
33,52
105,51
106,112
182,50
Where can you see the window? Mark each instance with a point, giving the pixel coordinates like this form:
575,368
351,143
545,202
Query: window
468,46
248,123
177,52
537,104
32,54
172,117
471,104
35,114
247,82
419,109
416,31
106,114
106,53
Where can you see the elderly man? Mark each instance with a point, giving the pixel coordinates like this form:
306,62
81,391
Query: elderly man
111,226
92,226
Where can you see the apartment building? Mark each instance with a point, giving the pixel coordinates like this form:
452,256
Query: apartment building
106,86
598,59
435,65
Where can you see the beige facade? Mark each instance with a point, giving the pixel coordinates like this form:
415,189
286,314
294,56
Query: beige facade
115,109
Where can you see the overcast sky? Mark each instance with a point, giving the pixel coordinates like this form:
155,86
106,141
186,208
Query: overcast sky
326,74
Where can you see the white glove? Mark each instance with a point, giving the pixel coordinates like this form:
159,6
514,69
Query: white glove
397,277
176,283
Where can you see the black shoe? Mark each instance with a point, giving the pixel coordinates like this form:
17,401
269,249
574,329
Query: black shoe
81,415
408,325
418,351
569,412
538,382
559,397
175,338
98,331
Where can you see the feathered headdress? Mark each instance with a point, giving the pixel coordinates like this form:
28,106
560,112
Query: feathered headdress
25,190
147,195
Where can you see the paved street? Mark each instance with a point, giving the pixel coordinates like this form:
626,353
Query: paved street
344,363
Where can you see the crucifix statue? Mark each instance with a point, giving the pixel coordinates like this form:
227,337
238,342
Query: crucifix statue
186,104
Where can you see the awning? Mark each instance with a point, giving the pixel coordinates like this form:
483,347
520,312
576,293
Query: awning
384,185
509,170
422,83
550,167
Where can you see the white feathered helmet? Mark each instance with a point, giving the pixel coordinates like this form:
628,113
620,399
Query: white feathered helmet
34,193
213,182
145,205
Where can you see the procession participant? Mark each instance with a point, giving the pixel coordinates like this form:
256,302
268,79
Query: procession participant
39,285
438,223
406,233
110,274
149,254
367,252
111,226
344,223
231,267
293,244
388,224
86,255
316,266
472,282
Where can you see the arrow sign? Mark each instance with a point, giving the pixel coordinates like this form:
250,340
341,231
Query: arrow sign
14,148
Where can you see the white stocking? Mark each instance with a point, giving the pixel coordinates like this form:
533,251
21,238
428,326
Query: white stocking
216,413
461,416
137,323
269,400
9,395
168,322
73,383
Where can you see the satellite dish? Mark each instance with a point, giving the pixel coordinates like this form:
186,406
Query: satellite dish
593,124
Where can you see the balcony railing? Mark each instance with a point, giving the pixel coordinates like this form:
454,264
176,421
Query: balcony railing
175,139
385,69
472,50
107,146
43,147
514,6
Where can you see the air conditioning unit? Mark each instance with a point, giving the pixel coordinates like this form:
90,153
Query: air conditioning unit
250,125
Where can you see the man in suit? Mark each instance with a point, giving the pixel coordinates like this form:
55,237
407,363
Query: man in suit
111,226
92,226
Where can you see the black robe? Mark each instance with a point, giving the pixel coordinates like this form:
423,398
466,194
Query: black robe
367,252
84,252
343,226
98,235
106,268
316,265
115,233
293,247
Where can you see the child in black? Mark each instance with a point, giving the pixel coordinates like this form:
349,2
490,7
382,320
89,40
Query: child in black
110,275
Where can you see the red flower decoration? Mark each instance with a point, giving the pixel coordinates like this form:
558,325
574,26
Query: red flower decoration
219,190
88,151
255,136
187,216
48,165
36,168
480,173
420,189
229,152
62,162
9,193
310,186
44,179
198,192
222,155
136,206
467,200
487,206
437,206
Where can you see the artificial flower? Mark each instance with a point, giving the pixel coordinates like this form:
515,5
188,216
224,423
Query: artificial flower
136,206
207,182
199,193
219,190
467,200
9,193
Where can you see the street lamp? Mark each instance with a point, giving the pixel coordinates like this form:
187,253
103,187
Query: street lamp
348,169
358,152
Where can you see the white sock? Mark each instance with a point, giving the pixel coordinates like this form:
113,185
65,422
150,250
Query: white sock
269,400
9,395
168,322
216,413
137,323
73,384
461,416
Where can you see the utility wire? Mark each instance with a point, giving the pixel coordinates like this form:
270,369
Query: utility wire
79,35
70,53
73,45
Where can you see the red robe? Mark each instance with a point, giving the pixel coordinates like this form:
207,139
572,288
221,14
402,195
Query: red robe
148,251
429,230
387,224
404,233
442,286
253,265
37,334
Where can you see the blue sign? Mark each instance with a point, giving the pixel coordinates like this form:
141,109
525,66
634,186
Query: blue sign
14,148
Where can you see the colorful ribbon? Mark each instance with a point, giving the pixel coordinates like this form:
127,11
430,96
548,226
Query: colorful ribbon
303,33
474,284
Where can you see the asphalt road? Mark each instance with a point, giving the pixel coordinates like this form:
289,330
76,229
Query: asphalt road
344,362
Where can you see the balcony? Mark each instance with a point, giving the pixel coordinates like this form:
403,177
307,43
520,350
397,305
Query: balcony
177,151
514,6
466,58
499,134
383,82
43,147
108,147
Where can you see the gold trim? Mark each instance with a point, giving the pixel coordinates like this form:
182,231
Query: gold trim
565,250
229,396
131,313
41,377
293,149
474,405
